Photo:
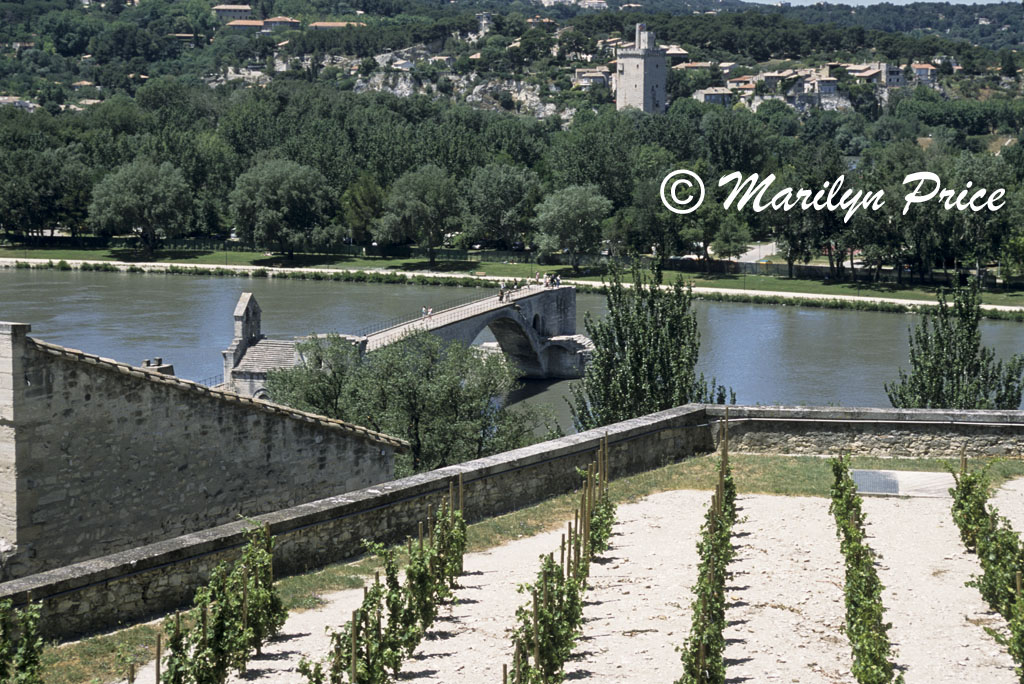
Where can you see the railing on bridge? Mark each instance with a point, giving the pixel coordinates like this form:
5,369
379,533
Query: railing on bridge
454,312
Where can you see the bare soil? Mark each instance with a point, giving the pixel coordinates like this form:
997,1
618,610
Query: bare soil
786,608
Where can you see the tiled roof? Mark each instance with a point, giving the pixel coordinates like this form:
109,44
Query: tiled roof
267,355
196,388
335,24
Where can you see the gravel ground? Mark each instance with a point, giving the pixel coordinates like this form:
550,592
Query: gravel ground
937,623
785,613
787,594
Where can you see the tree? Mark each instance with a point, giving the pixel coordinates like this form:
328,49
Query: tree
732,238
1007,64
362,203
570,219
645,354
423,205
949,368
499,202
445,399
278,204
150,201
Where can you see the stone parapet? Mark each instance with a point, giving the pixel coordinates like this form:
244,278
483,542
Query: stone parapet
151,580
882,433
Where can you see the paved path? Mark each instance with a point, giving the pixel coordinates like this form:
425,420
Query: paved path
452,314
757,252
158,267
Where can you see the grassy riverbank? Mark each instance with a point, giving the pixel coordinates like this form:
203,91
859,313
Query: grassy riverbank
748,288
504,270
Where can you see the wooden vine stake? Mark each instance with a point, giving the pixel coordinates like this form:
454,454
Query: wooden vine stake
577,547
725,437
536,633
245,598
544,579
517,663
421,536
245,605
963,459
461,510
605,473
568,558
355,633
270,568
1018,583
561,556
159,640
504,673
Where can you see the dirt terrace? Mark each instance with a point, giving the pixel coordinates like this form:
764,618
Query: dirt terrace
786,606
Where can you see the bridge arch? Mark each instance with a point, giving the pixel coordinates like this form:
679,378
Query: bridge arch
534,327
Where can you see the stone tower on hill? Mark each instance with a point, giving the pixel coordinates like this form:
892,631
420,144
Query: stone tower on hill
640,74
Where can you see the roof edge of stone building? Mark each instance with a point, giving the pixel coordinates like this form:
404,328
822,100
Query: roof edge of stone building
196,388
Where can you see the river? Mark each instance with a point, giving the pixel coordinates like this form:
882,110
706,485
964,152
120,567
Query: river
768,354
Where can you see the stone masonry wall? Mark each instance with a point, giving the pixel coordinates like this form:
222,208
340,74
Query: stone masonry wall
882,433
110,457
144,582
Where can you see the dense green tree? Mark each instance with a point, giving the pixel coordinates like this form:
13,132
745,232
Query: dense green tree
445,399
949,368
363,203
732,238
570,220
152,202
1008,65
422,205
498,201
645,354
277,204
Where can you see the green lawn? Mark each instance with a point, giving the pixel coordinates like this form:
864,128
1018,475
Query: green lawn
96,659
767,284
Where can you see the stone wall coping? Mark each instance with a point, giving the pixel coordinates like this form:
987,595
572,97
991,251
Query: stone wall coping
866,415
217,394
224,537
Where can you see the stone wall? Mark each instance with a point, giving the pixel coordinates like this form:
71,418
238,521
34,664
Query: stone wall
882,433
145,582
98,457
